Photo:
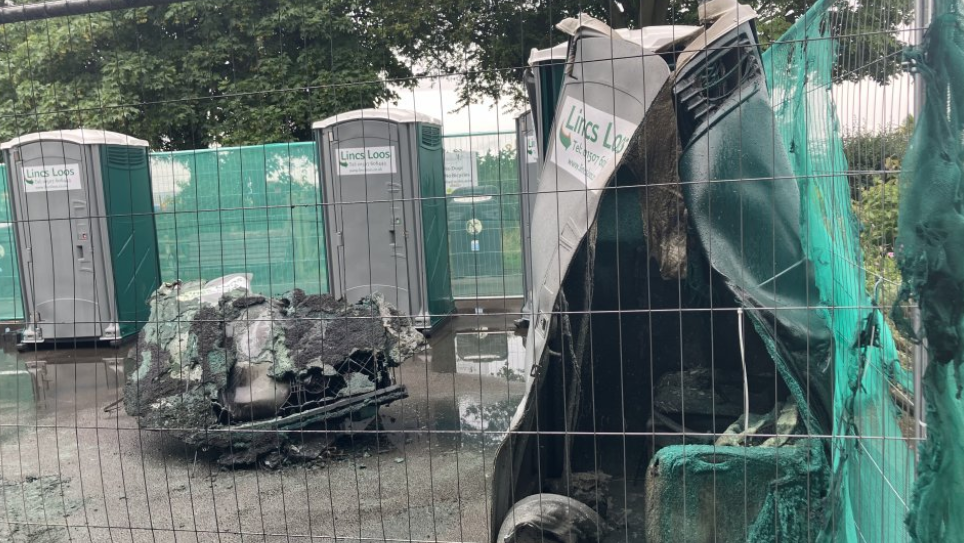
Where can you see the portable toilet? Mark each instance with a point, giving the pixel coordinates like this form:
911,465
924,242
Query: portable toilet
86,241
383,182
543,79
530,165
475,241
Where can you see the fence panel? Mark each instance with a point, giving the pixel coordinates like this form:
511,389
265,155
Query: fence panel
484,215
243,209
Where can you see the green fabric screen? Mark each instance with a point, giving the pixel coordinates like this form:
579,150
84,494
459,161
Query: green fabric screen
250,209
11,304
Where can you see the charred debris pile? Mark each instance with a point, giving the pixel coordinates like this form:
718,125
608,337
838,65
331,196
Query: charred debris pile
220,367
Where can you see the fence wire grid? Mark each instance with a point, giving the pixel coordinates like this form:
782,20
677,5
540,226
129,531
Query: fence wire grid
290,270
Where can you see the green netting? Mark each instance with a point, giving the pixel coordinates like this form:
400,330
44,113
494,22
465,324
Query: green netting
930,247
242,209
872,463
486,263
11,305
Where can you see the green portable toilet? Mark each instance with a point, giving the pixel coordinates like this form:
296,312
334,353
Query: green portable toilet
383,183
86,241
475,234
543,79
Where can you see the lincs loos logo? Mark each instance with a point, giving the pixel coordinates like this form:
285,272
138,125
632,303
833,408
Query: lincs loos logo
33,174
578,122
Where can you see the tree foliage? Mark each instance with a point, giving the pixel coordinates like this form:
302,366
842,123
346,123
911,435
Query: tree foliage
872,153
235,72
874,158
193,74
491,41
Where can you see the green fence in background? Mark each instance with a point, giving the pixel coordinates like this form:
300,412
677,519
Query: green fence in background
11,304
257,210
484,220
241,209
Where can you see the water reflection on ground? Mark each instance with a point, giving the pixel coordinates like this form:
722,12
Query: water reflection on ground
463,389
476,366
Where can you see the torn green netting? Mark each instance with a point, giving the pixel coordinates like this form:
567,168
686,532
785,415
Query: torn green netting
930,248
880,463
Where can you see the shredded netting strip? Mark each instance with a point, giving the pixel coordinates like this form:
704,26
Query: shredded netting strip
930,248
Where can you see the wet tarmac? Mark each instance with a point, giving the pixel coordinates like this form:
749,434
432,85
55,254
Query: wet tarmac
75,467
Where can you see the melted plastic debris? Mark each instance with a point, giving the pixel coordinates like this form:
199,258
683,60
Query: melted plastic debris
219,371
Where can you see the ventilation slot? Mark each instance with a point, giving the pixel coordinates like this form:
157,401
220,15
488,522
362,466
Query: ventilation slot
711,81
125,157
431,136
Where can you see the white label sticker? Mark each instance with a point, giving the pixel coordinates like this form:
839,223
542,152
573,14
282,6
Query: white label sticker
52,177
588,140
473,226
531,153
366,161
461,169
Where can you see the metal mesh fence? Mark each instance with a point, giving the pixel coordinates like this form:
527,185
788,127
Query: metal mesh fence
484,215
328,298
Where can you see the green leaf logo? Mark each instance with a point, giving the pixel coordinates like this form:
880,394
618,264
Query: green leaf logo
28,181
343,163
565,138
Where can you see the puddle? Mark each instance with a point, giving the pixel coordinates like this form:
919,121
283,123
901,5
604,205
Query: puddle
463,391
494,354
452,423
484,350
58,383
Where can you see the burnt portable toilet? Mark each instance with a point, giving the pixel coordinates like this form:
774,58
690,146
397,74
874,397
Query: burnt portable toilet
86,241
544,75
530,165
383,182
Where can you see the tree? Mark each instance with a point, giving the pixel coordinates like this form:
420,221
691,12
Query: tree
871,152
491,41
194,74
235,72
875,157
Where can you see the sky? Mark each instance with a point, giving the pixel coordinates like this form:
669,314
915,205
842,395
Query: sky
438,97
865,106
